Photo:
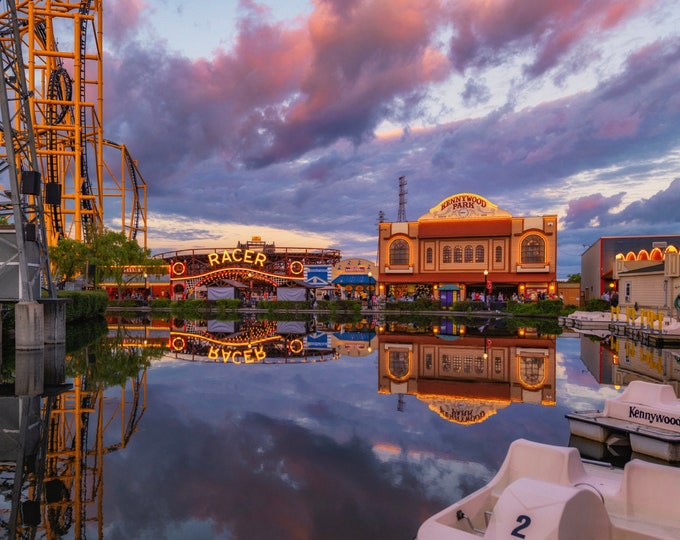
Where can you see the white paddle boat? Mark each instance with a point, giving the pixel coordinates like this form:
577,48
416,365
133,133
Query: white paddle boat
544,492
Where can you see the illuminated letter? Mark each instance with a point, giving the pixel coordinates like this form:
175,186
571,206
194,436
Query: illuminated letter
261,355
260,258
212,353
213,258
225,256
237,251
233,357
248,356
248,256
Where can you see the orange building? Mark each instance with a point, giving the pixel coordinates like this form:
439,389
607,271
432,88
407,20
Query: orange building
467,245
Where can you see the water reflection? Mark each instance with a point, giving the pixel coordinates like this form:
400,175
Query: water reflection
619,360
466,372
400,416
62,411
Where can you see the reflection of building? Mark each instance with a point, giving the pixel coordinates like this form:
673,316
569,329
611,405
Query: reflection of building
597,262
598,357
469,243
355,342
467,378
635,361
249,341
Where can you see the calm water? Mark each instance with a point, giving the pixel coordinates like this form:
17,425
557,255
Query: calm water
315,436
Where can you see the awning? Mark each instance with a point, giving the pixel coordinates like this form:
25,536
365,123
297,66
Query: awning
355,336
449,287
354,279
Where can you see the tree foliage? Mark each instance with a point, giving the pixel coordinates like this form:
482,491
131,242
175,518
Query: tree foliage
111,252
68,258
574,278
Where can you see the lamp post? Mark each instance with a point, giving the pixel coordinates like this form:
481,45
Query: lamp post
486,287
368,289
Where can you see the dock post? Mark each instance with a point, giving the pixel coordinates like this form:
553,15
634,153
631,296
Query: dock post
55,319
29,326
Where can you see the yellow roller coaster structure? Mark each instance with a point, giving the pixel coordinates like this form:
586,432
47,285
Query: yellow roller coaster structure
61,45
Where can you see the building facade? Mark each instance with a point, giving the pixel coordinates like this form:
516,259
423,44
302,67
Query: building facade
652,283
465,246
599,260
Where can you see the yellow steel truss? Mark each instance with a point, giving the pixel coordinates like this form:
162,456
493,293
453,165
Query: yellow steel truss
62,43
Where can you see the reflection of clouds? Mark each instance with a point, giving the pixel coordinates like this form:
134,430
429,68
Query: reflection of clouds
309,451
439,474
257,477
577,388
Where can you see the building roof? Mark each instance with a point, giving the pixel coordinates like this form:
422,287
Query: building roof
644,270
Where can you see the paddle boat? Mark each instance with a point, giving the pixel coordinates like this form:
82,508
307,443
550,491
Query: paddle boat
545,492
646,414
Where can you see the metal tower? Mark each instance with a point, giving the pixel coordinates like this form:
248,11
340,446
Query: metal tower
402,199
22,203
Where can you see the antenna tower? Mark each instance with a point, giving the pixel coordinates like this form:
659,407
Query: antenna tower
402,199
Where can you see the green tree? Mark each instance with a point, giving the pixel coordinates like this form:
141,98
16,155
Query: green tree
111,252
574,278
68,258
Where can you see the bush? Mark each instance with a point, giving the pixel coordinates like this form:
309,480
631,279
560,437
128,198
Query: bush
160,303
84,304
228,304
597,304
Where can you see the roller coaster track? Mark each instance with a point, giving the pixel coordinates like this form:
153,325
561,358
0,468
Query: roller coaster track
137,189
64,69
86,185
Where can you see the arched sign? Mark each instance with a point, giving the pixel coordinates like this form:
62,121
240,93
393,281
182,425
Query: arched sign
464,205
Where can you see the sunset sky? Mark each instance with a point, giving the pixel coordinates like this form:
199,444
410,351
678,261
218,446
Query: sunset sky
293,120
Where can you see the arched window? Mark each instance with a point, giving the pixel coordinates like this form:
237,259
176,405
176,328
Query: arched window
446,254
499,254
479,253
399,364
457,255
533,249
399,252
468,254
428,255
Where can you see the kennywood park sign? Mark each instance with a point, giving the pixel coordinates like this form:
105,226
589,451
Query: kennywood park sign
464,205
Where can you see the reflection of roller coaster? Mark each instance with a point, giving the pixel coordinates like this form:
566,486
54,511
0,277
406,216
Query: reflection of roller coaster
57,485
63,54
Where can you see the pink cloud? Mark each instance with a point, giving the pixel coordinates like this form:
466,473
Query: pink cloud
487,32
615,128
122,18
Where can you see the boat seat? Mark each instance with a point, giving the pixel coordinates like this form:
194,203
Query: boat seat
528,459
531,508
650,493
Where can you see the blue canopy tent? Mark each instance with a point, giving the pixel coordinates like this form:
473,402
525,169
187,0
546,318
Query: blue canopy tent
356,283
